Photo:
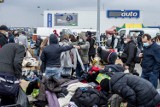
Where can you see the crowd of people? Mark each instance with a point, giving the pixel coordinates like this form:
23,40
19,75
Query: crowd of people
69,58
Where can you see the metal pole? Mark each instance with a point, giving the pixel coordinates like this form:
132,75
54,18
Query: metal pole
98,21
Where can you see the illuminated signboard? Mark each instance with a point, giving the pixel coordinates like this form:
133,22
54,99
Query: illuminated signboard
49,20
66,19
123,13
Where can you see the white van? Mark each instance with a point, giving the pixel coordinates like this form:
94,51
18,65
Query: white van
138,31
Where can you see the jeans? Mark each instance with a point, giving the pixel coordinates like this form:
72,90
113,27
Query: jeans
53,71
66,71
152,77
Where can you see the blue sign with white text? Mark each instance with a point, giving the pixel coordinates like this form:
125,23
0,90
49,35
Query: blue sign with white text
123,13
49,20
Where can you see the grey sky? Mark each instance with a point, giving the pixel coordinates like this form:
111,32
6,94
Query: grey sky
26,13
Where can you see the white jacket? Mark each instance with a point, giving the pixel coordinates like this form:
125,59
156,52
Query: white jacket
66,59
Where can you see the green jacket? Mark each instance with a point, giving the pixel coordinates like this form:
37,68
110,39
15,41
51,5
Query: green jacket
83,52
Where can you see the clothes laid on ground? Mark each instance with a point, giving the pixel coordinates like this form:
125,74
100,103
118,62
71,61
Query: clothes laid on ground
52,99
30,62
50,84
115,101
88,97
64,102
69,82
22,99
30,75
32,85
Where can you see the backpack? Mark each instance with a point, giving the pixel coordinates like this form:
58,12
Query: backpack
137,59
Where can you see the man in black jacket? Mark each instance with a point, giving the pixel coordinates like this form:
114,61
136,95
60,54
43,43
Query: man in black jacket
151,60
135,90
3,35
92,50
11,57
51,56
129,54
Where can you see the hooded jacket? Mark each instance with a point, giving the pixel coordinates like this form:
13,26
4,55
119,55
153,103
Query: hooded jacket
51,53
3,40
11,57
135,90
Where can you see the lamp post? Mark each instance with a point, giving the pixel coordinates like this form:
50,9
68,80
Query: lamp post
98,22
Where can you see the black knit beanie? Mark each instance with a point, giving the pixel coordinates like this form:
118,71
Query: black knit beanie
105,85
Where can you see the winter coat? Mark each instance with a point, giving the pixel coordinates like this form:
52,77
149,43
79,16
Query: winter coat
51,54
70,58
92,50
135,90
107,56
11,57
3,40
66,60
88,97
50,84
151,58
129,53
83,51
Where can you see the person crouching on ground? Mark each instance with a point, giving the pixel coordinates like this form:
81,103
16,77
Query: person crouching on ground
136,91
106,56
